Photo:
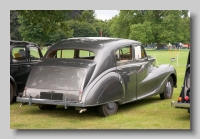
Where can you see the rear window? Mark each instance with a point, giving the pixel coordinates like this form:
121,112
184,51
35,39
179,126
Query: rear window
72,54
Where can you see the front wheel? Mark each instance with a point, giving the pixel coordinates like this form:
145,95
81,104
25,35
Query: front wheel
46,107
108,109
168,91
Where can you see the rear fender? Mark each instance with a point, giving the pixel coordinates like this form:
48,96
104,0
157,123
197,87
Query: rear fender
109,88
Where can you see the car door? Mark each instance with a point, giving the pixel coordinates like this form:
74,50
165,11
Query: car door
19,66
125,67
147,81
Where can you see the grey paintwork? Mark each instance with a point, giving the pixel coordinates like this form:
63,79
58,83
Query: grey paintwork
102,80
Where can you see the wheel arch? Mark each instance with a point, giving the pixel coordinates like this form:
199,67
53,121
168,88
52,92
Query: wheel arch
102,92
174,80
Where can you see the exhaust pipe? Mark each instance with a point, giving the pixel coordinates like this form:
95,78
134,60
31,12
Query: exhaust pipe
83,110
80,109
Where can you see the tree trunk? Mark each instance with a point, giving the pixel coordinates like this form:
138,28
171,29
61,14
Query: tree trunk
41,46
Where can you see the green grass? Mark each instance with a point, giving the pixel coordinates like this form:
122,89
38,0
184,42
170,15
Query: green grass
149,113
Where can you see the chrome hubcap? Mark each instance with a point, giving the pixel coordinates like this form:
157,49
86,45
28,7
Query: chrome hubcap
111,105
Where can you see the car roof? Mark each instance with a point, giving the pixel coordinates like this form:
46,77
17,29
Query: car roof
92,43
22,43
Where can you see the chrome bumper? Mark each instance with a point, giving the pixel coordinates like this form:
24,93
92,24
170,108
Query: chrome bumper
65,103
180,105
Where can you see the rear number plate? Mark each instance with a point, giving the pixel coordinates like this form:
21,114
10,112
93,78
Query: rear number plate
52,96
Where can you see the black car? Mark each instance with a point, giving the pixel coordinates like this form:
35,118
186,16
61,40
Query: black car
184,97
97,71
23,55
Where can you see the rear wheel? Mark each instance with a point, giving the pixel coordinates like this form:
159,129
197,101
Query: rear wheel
11,93
168,91
108,109
47,107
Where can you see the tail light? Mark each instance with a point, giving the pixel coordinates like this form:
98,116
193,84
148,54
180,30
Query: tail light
187,98
180,99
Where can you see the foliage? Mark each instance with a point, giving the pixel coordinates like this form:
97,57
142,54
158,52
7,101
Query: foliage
147,26
14,26
36,32
82,29
49,26
102,26
87,16
142,32
152,26
49,20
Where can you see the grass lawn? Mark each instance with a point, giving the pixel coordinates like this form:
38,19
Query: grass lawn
149,113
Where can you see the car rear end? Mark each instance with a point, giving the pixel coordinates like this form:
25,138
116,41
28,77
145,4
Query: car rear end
184,97
57,82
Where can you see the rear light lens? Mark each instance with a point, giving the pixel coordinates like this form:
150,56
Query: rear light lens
186,98
180,98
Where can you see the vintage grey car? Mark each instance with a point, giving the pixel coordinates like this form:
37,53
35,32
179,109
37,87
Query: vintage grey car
96,71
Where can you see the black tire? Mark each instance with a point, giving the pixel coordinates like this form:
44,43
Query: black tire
187,78
11,93
108,109
168,91
46,107
189,110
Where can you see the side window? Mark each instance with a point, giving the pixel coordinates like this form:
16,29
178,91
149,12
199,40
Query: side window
84,53
124,54
34,53
19,54
65,54
140,52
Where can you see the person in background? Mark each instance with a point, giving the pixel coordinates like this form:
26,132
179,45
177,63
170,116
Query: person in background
169,46
180,44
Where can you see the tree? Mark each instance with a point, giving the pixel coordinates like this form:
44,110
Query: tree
36,32
141,32
185,22
82,29
42,26
151,26
102,27
14,26
49,20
